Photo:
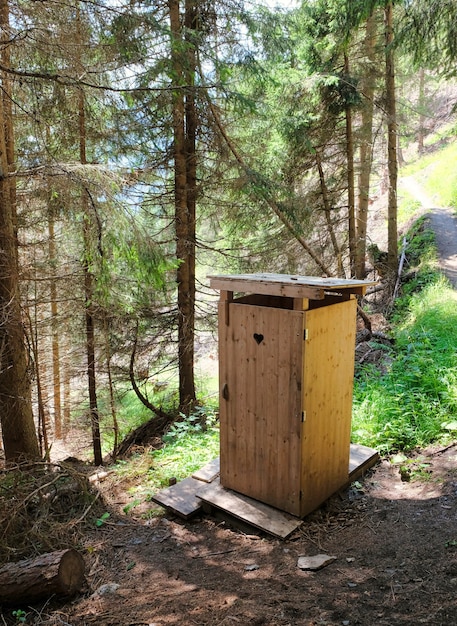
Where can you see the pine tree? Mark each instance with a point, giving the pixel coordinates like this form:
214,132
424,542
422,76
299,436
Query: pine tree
18,429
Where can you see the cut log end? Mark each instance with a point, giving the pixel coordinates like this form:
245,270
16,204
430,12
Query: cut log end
53,574
71,573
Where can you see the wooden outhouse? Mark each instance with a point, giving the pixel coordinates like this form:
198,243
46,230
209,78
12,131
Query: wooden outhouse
286,366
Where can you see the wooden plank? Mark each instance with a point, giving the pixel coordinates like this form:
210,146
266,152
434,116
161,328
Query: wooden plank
225,298
361,459
328,381
208,472
257,514
185,498
285,285
264,287
181,498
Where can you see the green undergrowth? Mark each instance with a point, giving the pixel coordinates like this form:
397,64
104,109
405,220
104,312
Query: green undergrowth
131,412
442,178
189,444
414,402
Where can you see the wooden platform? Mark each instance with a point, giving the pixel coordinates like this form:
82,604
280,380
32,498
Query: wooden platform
203,490
250,512
361,459
209,472
181,498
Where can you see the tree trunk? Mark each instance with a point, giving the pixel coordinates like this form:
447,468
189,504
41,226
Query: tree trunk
33,341
392,165
89,289
18,428
187,396
184,196
328,216
56,573
366,149
54,324
66,388
89,297
421,131
350,179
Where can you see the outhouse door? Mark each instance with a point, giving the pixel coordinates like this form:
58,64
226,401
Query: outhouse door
261,369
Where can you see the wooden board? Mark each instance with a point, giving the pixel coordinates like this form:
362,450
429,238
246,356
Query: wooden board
186,497
327,401
260,403
361,459
180,498
311,287
209,472
252,512
268,519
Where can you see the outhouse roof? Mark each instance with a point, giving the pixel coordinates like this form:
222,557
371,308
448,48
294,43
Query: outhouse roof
288,285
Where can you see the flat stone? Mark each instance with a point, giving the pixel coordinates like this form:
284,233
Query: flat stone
316,562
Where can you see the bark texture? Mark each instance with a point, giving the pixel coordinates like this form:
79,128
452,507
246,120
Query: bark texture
18,428
392,165
55,573
366,147
184,133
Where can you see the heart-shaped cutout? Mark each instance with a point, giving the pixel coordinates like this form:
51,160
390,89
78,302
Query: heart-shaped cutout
258,338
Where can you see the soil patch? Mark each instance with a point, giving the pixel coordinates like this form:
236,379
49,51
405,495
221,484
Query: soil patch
393,534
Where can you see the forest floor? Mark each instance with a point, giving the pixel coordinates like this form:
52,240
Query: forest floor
393,534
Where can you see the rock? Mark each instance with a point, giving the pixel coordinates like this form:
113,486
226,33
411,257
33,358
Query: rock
316,562
106,589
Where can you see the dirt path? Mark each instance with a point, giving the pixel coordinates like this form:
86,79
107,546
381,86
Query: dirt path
444,223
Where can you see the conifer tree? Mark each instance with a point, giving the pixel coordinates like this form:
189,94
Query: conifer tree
18,428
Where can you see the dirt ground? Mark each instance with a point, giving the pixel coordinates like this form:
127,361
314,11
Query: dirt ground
393,533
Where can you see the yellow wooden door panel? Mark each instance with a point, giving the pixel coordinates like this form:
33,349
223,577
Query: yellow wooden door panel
261,394
328,382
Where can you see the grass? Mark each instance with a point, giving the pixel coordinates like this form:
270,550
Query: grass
415,402
442,178
188,445
438,174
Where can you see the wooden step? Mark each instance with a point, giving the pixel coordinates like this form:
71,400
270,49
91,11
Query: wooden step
249,511
187,497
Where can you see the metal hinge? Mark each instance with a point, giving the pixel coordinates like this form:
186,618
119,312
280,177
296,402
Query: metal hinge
303,416
305,334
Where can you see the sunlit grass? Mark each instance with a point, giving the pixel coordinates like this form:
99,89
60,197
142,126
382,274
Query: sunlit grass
441,180
437,173
187,446
415,402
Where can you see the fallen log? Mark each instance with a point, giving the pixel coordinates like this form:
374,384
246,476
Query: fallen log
58,573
